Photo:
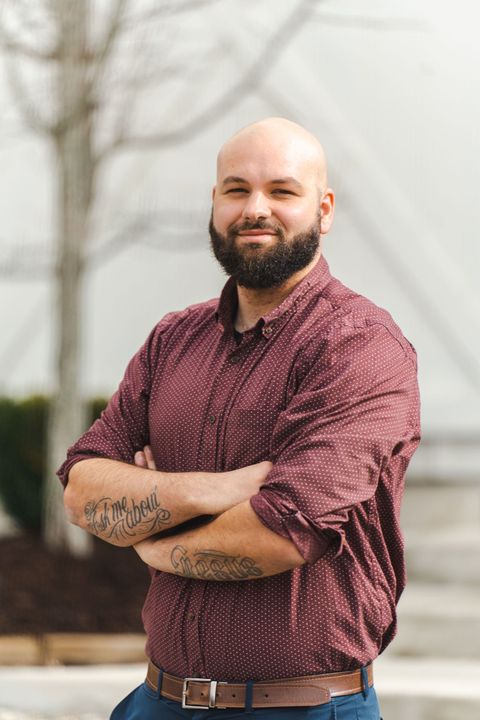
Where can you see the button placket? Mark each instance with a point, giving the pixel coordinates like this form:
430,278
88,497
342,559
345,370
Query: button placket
226,380
194,641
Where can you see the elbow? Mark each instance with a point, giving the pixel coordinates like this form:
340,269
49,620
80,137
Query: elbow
73,498
72,506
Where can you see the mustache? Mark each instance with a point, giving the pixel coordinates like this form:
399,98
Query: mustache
257,225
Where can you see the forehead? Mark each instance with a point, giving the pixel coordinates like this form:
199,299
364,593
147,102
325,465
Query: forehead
258,158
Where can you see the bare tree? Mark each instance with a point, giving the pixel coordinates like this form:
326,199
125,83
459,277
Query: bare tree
77,60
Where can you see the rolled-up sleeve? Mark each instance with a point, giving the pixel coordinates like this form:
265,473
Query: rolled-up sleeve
354,407
122,428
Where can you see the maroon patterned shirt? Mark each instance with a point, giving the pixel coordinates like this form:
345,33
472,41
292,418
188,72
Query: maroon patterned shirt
325,387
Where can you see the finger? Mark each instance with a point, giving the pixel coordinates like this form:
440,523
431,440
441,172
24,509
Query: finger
140,459
149,457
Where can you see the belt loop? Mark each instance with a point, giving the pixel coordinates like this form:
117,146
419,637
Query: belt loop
366,686
334,710
249,697
159,684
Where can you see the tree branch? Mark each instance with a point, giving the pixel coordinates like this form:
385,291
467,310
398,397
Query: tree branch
21,48
157,230
370,22
27,109
106,47
168,9
99,58
25,9
164,73
272,50
18,48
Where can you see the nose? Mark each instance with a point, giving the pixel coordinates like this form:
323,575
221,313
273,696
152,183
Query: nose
256,207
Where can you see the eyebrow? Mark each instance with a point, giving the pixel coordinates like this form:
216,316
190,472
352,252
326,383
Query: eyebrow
287,181
234,179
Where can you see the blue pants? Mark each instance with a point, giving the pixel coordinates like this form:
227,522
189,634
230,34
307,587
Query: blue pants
144,704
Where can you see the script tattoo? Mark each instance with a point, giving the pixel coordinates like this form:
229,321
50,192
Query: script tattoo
212,565
125,517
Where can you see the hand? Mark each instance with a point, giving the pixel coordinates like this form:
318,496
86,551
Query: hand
142,547
229,488
144,458
240,485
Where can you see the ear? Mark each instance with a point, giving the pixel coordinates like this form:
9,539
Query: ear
327,209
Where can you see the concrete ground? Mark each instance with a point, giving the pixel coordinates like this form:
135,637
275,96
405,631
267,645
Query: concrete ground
65,693
417,689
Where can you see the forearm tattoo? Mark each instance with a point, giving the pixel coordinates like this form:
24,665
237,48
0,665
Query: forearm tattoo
126,517
212,565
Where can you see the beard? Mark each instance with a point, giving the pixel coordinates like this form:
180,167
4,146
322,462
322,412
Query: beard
255,268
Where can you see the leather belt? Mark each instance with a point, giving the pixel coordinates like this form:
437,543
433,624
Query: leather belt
201,693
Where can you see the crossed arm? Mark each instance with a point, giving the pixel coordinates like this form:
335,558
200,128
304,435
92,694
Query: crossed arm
134,505
235,546
357,407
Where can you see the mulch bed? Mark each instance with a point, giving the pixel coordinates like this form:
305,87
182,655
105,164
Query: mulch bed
43,592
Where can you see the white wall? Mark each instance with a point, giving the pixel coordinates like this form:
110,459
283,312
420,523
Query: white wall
390,89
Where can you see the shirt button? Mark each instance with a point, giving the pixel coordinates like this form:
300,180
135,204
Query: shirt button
191,616
267,330
234,359
211,419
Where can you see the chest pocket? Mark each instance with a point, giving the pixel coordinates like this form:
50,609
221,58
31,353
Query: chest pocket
248,434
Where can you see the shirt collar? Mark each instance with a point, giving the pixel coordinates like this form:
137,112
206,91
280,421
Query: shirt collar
318,278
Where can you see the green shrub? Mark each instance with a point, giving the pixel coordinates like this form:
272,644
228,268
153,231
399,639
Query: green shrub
22,458
94,408
23,435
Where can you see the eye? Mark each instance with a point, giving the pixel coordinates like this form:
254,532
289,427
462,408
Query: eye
236,190
282,191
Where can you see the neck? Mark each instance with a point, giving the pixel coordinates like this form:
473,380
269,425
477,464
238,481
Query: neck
254,303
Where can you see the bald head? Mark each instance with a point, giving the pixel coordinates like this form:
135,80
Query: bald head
279,139
272,172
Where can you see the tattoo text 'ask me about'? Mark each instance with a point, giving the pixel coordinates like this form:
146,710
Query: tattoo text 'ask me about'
126,517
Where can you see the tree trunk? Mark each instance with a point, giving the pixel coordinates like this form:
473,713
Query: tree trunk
75,176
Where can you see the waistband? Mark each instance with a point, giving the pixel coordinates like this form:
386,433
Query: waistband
201,693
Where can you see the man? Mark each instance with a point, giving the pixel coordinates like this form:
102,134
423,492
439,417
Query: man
283,416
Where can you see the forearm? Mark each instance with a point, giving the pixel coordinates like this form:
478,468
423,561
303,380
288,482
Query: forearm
123,504
235,546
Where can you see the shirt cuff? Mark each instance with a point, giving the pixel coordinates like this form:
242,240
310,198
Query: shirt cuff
65,468
309,537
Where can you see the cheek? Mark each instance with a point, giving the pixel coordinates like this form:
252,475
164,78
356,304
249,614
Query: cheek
298,217
224,215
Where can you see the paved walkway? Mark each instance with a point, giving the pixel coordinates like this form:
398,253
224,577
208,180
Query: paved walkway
65,693
11,715
414,689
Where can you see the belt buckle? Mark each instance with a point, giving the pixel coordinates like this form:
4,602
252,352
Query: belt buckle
211,696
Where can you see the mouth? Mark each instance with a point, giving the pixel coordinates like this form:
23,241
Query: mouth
257,236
